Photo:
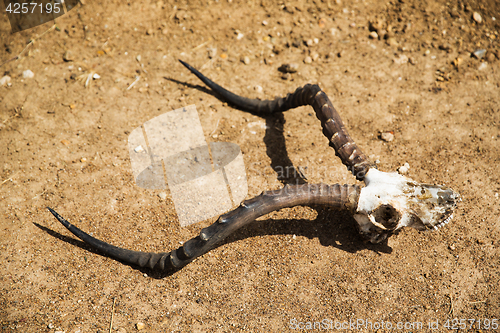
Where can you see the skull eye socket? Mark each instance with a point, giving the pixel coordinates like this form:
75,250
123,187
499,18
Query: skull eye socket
387,216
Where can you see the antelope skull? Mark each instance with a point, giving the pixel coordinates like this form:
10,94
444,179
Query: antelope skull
391,201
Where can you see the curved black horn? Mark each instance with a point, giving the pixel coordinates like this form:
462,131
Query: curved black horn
341,197
333,128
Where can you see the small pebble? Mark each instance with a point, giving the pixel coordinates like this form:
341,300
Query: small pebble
297,42
149,32
404,169
446,47
277,49
310,42
412,60
479,54
452,247
27,74
264,23
140,326
4,80
457,62
476,17
138,58
212,52
286,76
376,25
314,56
83,160
289,68
139,149
490,57
96,76
483,66
50,326
402,59
162,195
454,13
68,56
246,60
391,41
165,31
387,136
382,34
308,60
258,89
240,36
373,35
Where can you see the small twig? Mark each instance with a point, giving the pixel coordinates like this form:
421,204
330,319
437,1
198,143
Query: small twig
39,194
207,63
216,126
112,315
10,178
86,78
32,41
96,155
202,44
476,302
16,115
451,305
133,83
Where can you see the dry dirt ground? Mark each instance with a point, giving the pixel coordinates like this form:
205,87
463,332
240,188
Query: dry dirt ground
65,146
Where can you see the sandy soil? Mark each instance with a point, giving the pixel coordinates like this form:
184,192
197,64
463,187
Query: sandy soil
65,146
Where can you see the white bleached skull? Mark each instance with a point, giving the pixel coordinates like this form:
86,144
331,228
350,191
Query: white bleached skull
391,201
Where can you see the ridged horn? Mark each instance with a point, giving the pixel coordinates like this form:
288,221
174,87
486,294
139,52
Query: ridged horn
333,127
341,197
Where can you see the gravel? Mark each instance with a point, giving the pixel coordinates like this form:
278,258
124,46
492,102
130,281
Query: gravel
477,17
27,74
5,80
289,68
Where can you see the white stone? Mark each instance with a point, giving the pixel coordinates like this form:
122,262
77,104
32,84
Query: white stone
404,169
483,66
5,80
477,17
27,74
